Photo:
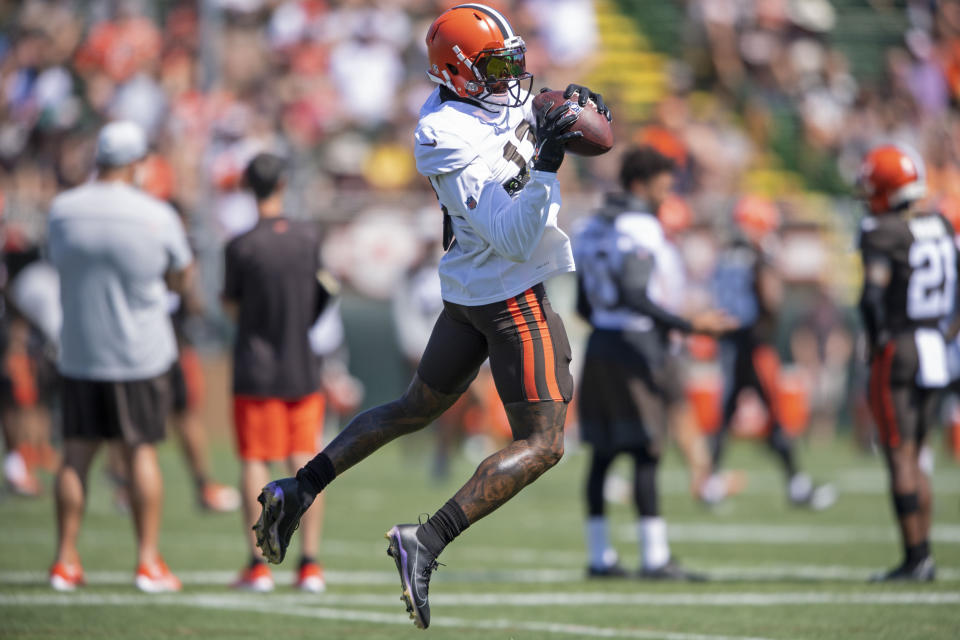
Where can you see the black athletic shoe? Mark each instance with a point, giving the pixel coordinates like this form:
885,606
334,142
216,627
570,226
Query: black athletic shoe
283,505
923,571
671,571
415,564
609,571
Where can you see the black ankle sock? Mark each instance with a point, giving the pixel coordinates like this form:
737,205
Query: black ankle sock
916,553
441,528
305,560
316,475
254,561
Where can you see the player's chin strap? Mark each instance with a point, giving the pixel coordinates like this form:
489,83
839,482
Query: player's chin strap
444,81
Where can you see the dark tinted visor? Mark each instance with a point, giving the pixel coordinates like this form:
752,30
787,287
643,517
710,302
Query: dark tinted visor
502,65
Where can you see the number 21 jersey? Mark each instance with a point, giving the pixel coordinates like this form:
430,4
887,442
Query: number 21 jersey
921,256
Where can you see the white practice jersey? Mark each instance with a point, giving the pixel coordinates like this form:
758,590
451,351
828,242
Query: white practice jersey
504,215
602,246
669,285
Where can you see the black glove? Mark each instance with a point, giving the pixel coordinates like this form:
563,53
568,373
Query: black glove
553,123
585,94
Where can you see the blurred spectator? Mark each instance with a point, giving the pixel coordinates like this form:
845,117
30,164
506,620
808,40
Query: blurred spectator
271,288
110,241
759,95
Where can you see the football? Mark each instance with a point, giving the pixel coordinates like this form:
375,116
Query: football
597,134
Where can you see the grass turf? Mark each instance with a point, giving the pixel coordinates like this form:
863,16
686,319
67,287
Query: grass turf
777,572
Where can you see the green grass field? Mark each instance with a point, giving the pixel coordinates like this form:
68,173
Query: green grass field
776,573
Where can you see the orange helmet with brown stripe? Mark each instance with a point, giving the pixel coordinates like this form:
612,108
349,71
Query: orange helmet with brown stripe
891,177
474,52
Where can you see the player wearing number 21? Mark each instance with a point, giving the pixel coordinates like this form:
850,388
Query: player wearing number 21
910,280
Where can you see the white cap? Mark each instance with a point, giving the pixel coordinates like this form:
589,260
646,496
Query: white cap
120,143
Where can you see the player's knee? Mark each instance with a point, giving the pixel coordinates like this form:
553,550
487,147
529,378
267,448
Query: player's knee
554,452
547,449
903,469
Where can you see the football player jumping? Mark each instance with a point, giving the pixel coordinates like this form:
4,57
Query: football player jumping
493,163
910,281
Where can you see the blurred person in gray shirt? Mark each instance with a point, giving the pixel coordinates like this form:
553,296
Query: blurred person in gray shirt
117,250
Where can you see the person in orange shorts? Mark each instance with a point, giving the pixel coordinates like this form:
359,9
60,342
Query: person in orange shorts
273,288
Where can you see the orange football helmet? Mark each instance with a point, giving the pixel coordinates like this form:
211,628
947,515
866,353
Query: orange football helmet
892,176
756,215
474,52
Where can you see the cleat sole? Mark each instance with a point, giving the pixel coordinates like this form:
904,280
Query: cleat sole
393,550
268,538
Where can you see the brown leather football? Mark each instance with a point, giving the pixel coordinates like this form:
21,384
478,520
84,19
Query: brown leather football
597,136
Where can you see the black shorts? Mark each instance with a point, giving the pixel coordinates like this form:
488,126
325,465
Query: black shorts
901,409
627,386
523,337
132,411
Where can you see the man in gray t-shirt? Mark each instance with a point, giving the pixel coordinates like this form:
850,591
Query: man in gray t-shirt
116,250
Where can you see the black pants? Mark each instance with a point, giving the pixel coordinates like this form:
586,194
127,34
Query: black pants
742,357
644,482
524,338
902,410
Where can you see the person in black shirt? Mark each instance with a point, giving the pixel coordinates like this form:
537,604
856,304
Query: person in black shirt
909,289
273,286
747,285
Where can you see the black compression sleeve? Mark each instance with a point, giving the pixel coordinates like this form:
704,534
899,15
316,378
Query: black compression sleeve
637,271
872,311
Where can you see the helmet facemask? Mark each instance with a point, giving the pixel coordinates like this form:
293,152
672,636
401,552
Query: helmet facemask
500,74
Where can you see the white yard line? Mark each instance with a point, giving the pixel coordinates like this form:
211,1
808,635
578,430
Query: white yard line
720,573
706,532
501,599
368,578
267,605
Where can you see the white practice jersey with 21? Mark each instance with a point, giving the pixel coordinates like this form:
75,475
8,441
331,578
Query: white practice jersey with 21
504,214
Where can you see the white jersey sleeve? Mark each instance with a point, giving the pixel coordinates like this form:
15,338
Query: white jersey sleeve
502,214
512,226
438,151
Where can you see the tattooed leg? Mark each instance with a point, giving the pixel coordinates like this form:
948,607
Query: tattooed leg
285,501
416,408
537,446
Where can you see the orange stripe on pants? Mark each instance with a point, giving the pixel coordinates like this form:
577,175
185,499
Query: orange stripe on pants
529,362
873,395
880,397
549,364
893,434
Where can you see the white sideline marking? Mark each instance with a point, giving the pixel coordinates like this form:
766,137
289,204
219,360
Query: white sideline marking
706,532
720,573
502,599
224,578
267,605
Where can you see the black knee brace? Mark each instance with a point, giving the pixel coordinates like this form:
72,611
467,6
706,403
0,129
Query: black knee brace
906,503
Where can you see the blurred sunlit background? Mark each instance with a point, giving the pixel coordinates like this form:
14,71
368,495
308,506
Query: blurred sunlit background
763,103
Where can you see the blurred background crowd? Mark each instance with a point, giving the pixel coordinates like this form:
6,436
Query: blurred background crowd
766,105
